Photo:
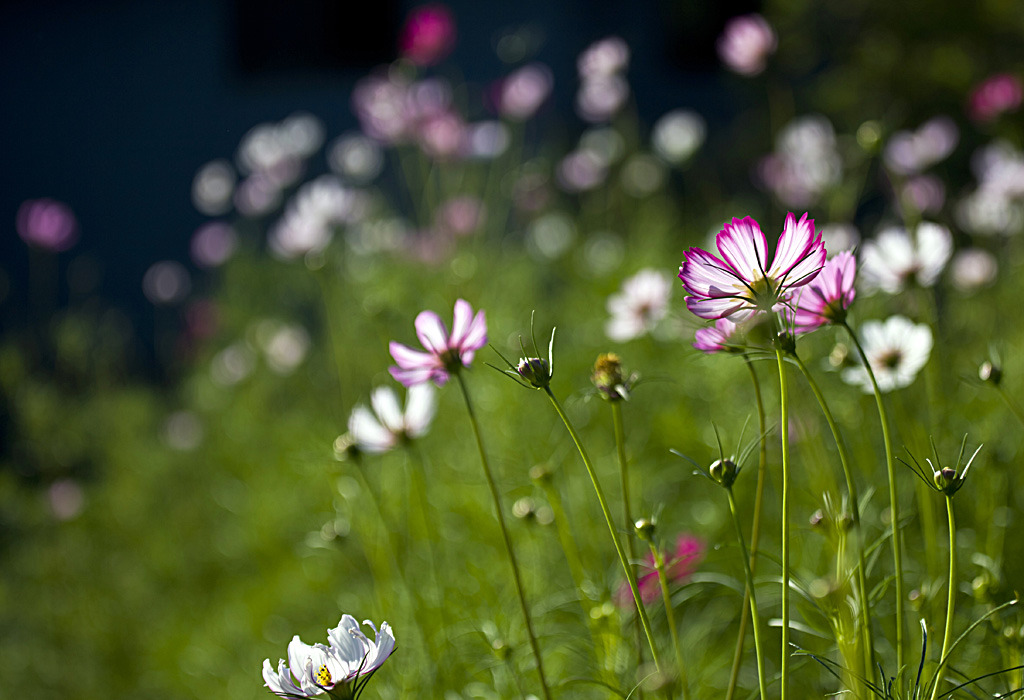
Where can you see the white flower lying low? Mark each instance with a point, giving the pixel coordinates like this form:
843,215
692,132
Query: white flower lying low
341,670
896,349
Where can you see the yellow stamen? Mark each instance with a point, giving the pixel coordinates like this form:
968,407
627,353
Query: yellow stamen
323,676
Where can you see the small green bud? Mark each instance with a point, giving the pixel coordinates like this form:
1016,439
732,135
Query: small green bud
534,371
786,342
645,529
724,472
990,373
608,377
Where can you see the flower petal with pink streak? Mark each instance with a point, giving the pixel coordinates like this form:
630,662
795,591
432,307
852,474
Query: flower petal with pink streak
705,275
461,319
742,244
794,243
432,332
712,309
407,358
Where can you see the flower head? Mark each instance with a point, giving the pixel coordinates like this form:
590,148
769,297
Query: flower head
532,372
996,95
428,35
746,43
642,302
47,224
446,352
945,479
680,564
894,257
741,283
826,299
387,425
341,668
716,338
910,152
610,379
896,350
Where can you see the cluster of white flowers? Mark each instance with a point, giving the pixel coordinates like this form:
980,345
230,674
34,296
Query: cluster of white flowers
996,206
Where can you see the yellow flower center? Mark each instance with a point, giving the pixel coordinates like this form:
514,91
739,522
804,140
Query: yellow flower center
323,676
762,292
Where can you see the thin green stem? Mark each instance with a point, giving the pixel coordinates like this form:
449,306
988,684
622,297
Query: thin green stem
755,529
659,566
627,516
784,418
611,528
947,637
516,576
894,506
851,487
748,572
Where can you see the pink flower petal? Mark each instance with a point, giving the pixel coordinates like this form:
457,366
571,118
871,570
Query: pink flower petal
705,275
743,246
407,358
794,243
432,332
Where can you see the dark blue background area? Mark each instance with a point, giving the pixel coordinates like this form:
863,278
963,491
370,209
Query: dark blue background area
111,107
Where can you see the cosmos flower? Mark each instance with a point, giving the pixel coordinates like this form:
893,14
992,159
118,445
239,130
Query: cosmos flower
446,353
805,163
715,338
428,35
746,43
523,91
642,302
387,425
896,350
680,564
677,135
826,299
910,152
995,95
47,224
341,668
895,258
741,283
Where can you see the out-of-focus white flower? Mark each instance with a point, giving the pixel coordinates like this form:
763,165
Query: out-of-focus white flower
340,669
805,162
999,168
896,350
308,223
277,151
582,170
600,99
166,282
386,426
256,195
910,152
356,158
213,187
996,206
213,244
284,344
642,302
605,142
678,135
301,134
973,269
182,431
642,175
232,364
746,43
551,235
66,499
442,136
486,139
603,58
895,258
523,91
838,237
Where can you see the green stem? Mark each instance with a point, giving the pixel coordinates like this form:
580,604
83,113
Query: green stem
897,553
755,530
851,487
611,528
748,572
659,566
627,516
784,418
516,576
948,635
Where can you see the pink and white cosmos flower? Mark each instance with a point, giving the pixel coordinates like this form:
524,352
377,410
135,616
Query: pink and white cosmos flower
741,284
826,299
445,353
716,338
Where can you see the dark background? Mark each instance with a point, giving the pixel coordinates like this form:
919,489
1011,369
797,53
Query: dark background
111,107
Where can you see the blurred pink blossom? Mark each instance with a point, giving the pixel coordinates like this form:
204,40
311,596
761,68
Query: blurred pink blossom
603,59
680,563
47,224
213,244
994,96
925,193
461,215
746,43
911,152
523,91
442,136
66,499
428,35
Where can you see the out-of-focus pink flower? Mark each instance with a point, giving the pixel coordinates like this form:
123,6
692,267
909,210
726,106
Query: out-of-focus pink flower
924,193
523,91
66,499
805,163
910,152
600,99
996,95
461,216
47,224
715,338
442,136
741,283
428,35
446,353
582,170
680,563
603,59
213,244
746,43
974,268
381,104
826,299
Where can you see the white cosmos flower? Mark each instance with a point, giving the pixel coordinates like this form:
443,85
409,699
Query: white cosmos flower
341,669
386,425
642,302
896,350
895,257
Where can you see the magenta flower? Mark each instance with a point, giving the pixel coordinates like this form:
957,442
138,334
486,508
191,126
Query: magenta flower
679,566
446,353
47,224
741,283
996,95
826,299
716,338
746,44
428,35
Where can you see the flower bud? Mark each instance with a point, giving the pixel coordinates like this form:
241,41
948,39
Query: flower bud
724,472
645,529
535,372
786,342
945,478
990,373
608,379
540,474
